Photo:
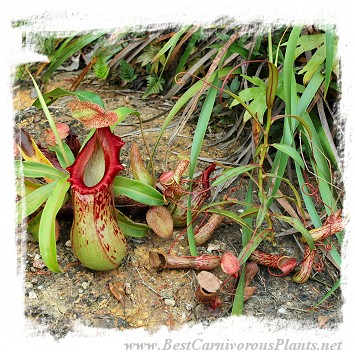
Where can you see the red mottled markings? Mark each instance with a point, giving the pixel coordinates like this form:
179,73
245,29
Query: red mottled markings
107,247
87,242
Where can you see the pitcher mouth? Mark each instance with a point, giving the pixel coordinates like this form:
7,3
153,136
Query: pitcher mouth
97,164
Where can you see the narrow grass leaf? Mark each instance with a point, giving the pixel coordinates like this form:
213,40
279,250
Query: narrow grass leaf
330,292
189,48
271,84
329,59
290,151
171,43
228,173
50,120
231,215
199,135
47,239
252,245
238,302
297,224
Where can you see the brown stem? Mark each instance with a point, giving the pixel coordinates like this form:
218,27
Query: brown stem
203,262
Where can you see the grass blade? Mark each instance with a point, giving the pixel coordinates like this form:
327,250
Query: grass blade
228,173
50,120
295,223
330,292
290,151
238,302
195,151
329,58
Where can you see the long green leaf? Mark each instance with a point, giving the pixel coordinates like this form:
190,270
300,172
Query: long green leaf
295,223
50,120
195,151
230,215
329,60
34,200
238,302
189,48
171,43
330,292
47,239
271,85
290,151
138,191
251,246
228,173
37,169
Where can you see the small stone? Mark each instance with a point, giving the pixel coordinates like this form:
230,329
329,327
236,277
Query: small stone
213,247
68,243
38,262
281,311
241,210
128,288
28,285
81,291
188,307
169,302
32,295
85,285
